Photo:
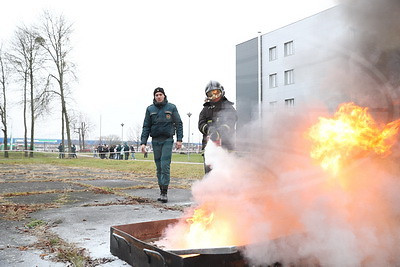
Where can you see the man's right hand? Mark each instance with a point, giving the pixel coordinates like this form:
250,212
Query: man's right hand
143,147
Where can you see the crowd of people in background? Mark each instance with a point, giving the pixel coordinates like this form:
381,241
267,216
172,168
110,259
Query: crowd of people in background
119,152
61,151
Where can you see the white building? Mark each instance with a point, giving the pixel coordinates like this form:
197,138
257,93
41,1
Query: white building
306,63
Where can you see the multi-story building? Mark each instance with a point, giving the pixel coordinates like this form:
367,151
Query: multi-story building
286,67
339,55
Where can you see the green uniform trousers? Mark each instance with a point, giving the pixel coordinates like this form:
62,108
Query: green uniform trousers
162,157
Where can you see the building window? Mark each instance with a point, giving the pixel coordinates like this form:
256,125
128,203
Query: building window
272,53
289,48
289,102
273,80
289,77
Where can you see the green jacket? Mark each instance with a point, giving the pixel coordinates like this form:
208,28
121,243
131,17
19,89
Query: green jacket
162,120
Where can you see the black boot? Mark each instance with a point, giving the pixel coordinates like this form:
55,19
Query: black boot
164,191
161,191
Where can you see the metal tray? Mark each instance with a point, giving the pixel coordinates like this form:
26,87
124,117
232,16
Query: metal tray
129,242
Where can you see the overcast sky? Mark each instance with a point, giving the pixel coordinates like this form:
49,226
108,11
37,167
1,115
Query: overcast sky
125,49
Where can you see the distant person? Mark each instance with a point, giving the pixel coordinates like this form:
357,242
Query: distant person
146,152
61,151
118,151
161,122
217,119
73,150
95,151
132,149
106,151
103,151
100,150
126,150
112,149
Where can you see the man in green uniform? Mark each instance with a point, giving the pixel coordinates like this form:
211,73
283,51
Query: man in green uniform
61,150
161,122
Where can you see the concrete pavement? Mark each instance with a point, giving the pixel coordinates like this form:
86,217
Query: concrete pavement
75,208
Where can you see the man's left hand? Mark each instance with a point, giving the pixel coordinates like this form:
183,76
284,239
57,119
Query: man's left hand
178,145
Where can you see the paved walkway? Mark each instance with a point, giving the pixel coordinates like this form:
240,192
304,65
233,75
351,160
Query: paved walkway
45,209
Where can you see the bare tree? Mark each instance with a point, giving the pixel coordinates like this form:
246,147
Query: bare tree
28,60
134,134
57,31
111,139
82,126
21,66
4,75
86,126
73,122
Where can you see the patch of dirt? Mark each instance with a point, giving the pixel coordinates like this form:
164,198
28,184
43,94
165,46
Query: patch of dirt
18,212
58,250
67,177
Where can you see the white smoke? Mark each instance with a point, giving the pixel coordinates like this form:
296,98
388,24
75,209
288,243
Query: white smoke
291,212
285,209
283,206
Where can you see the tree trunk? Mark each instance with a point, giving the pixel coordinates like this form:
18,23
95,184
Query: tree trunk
5,142
80,138
68,131
62,128
25,124
4,121
65,113
32,115
3,106
83,135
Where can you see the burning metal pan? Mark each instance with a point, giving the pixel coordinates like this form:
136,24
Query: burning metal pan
132,243
219,250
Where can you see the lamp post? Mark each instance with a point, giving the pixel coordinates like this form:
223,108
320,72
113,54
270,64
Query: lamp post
122,135
100,130
189,114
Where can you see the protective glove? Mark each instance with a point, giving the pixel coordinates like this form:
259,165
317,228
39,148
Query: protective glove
213,133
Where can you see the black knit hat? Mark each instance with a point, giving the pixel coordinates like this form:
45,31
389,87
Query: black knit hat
158,89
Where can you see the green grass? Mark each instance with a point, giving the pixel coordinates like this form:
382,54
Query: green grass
179,167
35,223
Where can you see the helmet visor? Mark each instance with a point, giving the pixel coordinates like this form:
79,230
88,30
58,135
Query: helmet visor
214,93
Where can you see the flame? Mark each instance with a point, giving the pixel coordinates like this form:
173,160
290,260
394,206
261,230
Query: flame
350,133
206,230
200,220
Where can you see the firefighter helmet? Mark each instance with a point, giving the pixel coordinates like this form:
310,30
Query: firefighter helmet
211,88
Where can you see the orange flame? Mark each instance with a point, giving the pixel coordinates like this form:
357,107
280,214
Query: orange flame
200,220
349,133
205,230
